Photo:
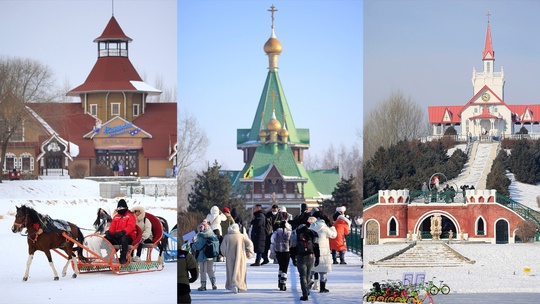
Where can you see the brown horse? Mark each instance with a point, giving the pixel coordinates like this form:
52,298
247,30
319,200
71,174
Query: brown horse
41,237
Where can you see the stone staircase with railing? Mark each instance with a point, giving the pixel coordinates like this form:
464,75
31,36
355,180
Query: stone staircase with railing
424,254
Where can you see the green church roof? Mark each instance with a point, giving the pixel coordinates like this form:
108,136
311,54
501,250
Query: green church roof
272,98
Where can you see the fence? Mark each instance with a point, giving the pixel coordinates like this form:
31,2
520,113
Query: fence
152,189
354,240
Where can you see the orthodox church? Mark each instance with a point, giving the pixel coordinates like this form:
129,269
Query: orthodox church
112,124
486,115
273,150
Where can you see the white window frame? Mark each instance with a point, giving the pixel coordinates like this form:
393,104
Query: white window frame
113,113
93,109
136,110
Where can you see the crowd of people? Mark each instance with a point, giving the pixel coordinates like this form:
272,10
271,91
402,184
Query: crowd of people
312,241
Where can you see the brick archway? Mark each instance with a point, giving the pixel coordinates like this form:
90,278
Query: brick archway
444,214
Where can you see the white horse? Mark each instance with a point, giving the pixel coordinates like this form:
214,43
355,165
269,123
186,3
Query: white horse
98,244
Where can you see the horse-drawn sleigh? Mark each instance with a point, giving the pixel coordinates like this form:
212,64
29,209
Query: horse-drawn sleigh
94,252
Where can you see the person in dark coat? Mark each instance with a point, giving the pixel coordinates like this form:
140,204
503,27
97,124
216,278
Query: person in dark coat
273,216
258,235
187,273
237,219
302,217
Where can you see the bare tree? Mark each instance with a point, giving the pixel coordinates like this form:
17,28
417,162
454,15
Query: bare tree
21,81
396,118
192,144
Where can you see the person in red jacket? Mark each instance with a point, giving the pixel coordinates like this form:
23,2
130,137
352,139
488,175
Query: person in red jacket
338,244
122,230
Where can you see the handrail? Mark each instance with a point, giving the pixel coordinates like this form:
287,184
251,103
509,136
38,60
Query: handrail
524,211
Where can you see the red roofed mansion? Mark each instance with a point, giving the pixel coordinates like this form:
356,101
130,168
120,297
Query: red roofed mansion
112,124
486,115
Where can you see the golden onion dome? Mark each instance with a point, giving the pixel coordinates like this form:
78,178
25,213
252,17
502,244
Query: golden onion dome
262,133
273,124
273,46
284,133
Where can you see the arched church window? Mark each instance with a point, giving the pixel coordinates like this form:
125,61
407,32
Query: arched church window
480,227
392,227
488,67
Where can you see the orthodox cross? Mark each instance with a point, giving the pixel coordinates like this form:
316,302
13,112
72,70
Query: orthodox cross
273,94
488,14
272,10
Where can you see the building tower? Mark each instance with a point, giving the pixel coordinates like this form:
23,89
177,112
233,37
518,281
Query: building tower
273,149
113,87
488,77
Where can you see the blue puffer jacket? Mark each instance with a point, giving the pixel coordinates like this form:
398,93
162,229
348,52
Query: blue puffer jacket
199,244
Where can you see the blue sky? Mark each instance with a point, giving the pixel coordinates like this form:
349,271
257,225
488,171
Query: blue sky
427,49
222,68
60,34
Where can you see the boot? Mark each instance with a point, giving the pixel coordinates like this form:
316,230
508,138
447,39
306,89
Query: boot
323,288
283,282
315,285
334,257
213,281
335,261
342,257
203,286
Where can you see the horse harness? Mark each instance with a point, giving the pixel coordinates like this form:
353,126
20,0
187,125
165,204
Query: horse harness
45,225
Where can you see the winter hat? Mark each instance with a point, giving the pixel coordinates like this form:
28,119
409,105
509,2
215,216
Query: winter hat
121,204
225,210
341,209
283,209
233,227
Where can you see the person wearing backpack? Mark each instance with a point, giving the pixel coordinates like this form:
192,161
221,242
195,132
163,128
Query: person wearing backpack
280,250
305,253
322,227
236,248
206,264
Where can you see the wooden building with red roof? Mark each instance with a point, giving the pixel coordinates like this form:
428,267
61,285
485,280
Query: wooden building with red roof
486,115
112,124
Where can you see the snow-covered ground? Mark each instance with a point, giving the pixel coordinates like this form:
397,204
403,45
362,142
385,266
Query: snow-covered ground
76,201
344,283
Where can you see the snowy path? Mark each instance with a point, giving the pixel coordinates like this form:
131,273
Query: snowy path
344,283
473,173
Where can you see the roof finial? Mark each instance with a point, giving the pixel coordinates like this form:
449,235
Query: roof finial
112,7
488,14
272,10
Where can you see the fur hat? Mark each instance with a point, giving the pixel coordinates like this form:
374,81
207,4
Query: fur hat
122,204
225,210
283,209
341,209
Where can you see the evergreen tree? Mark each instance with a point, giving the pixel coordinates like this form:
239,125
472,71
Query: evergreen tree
211,189
345,194
496,178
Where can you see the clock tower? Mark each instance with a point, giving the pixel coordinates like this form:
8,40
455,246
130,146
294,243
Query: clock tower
488,77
